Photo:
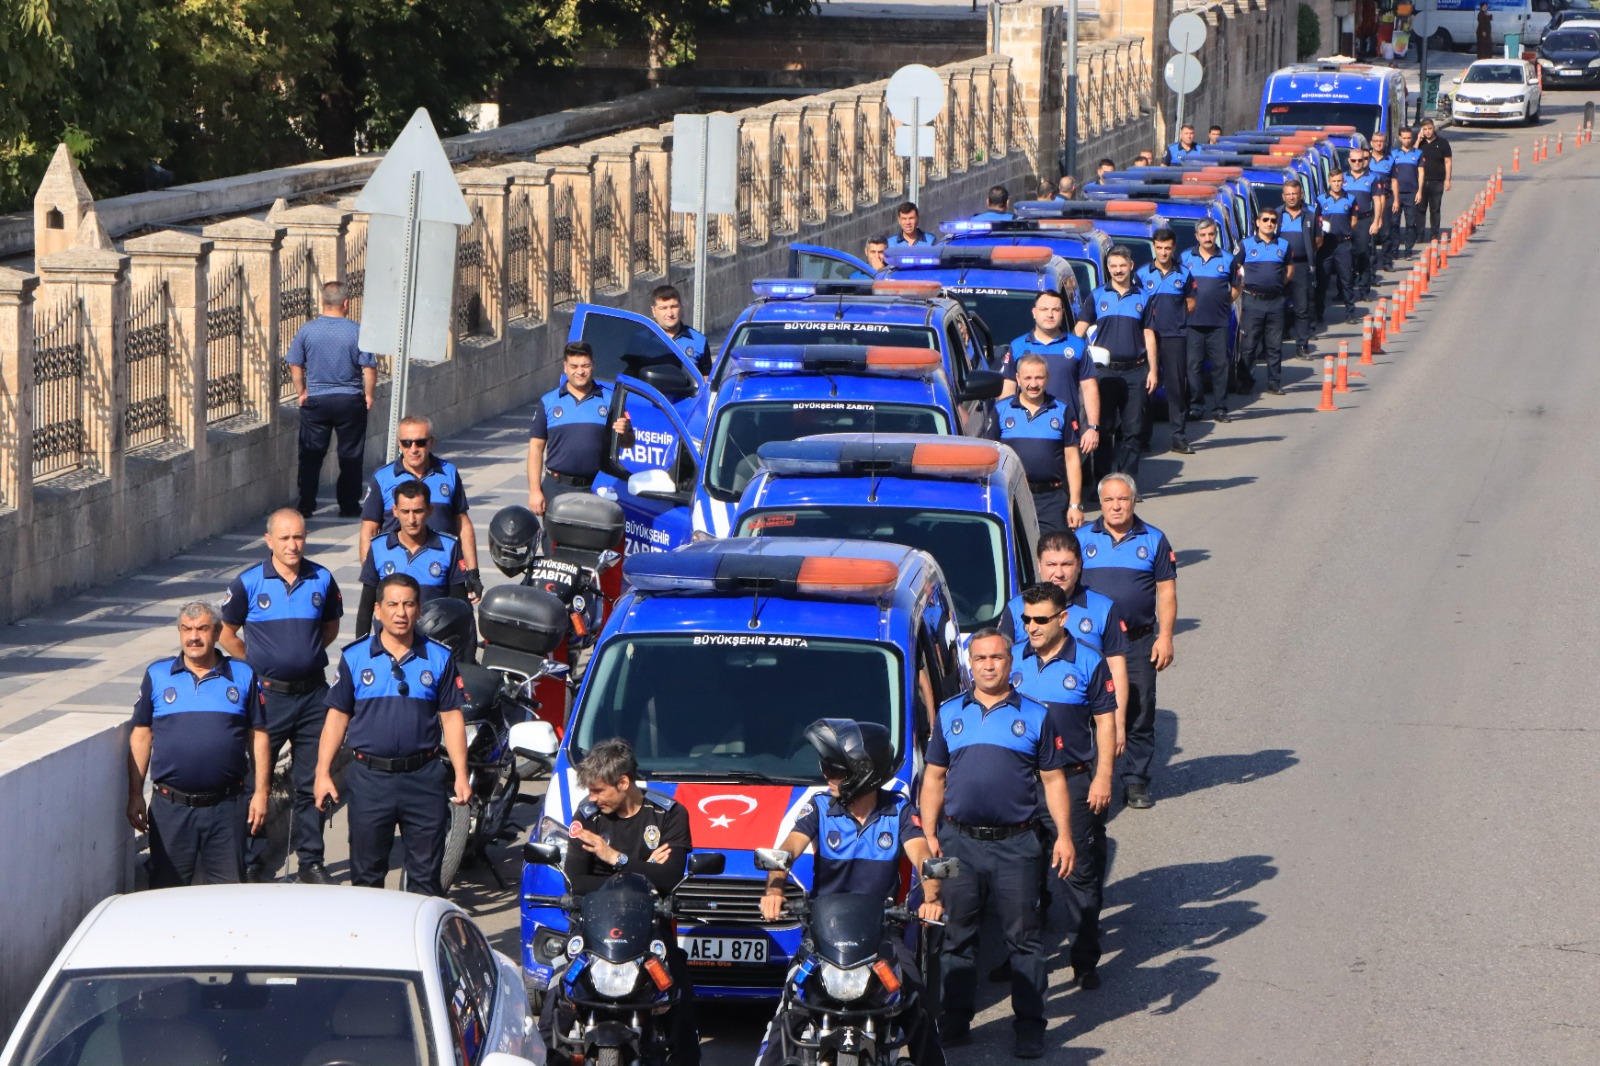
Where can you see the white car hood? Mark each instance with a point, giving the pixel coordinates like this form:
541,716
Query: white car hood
1490,90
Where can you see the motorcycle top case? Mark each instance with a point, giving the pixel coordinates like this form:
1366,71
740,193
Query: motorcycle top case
583,521
523,619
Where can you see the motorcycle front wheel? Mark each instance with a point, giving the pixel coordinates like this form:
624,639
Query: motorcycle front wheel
455,843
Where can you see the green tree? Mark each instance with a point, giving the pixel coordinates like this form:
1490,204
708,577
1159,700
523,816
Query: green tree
1308,33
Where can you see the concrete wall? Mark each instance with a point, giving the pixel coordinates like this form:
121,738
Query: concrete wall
65,838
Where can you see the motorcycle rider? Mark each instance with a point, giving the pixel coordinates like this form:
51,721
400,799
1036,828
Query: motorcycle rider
860,830
621,828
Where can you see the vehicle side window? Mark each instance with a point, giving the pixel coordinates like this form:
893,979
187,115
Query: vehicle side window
468,975
1021,548
959,355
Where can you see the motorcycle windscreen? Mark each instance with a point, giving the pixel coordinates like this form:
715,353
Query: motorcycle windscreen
619,918
847,928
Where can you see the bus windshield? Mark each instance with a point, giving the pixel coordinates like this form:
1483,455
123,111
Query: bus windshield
1364,117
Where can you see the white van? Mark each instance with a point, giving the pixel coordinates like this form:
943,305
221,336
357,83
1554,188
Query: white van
1455,22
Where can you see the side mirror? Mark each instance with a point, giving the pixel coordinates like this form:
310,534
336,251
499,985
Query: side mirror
608,559
1455,81
537,739
654,485
553,669
669,379
547,854
983,385
941,868
707,863
773,859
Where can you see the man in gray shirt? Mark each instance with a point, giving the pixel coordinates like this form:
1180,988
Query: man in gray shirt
334,381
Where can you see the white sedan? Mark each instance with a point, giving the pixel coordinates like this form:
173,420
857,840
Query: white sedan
277,975
1497,90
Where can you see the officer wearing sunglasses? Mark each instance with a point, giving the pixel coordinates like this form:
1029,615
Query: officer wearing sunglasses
446,492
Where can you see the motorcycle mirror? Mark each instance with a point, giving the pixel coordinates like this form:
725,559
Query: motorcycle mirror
553,669
941,868
541,854
705,863
773,859
608,559
534,740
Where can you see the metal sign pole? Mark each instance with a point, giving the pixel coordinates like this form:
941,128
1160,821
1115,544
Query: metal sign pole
916,150
1179,127
400,377
1072,88
702,231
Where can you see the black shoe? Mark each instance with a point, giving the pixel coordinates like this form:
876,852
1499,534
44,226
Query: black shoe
1030,1046
350,512
254,875
1352,316
313,873
1221,416
1137,797
1275,390
1194,414
306,512
1303,350
1001,973
1088,979
955,1034
1181,446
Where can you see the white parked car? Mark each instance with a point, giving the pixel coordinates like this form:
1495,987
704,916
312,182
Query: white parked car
277,975
1497,90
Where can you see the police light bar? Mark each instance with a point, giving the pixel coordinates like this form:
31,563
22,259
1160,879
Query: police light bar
1070,225
882,359
1156,192
1208,172
798,288
1086,209
785,573
847,455
907,287
956,256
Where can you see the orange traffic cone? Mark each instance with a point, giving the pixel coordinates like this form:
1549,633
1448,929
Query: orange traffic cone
1561,142
1516,160
1341,383
1399,322
1379,321
1327,385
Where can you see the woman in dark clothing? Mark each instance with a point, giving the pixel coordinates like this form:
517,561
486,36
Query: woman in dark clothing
1485,32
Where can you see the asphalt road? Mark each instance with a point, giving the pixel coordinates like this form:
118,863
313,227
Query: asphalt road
1370,842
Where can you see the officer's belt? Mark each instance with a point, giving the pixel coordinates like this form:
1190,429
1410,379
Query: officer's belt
1361,215
1117,366
196,799
293,688
992,832
1140,632
577,481
1076,768
1264,295
1044,486
403,765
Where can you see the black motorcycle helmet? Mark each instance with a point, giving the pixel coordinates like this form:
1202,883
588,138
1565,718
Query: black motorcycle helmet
858,752
513,536
451,623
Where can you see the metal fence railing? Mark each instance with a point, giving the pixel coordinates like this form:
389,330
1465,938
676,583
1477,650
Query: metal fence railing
60,437
225,344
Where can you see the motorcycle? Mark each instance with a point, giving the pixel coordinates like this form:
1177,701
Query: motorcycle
842,1002
617,984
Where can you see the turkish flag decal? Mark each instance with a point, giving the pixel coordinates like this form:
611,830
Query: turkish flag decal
732,816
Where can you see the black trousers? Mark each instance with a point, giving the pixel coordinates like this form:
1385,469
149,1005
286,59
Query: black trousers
1334,265
196,845
1174,353
1140,751
1086,883
1431,207
1403,226
1124,406
1302,287
1361,256
1050,507
296,721
682,1029
1208,389
1382,256
1003,874
418,804
1261,336
320,418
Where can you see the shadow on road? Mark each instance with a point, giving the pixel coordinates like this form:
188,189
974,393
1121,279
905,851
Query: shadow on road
1193,775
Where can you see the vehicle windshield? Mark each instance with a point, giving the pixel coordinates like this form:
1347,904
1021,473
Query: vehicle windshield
743,427
731,706
1364,117
228,1016
1183,228
1570,41
969,548
1007,313
1269,196
1143,251
1493,74
832,331
1086,273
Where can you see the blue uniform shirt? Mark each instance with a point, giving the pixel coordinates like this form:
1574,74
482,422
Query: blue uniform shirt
1211,287
383,721
898,239
574,430
1121,318
1381,169
1407,169
856,857
1294,228
1262,267
1092,619
1338,215
694,345
1127,570
1075,688
993,758
1169,313
1362,190
199,726
1066,361
993,216
283,622
1177,153
326,347
446,492
437,565
1040,438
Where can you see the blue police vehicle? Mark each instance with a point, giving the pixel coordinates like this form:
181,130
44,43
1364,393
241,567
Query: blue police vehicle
1363,96
712,665
964,502
996,283
1183,204
1127,222
1232,190
1264,173
1311,162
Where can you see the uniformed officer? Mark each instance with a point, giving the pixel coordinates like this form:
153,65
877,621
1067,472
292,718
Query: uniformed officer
1073,682
1179,151
1298,224
1119,309
1337,209
1405,190
1072,374
874,252
396,697
1261,269
1380,164
992,752
910,231
197,724
1368,192
1214,134
568,437
446,491
289,609
1104,167
432,559
861,830
999,206
1133,565
1166,283
1211,298
666,307
1067,188
1043,431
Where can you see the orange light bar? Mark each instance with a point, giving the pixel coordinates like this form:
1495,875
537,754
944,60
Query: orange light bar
1021,255
1130,208
826,573
1208,173
1338,129
903,287
657,971
886,974
1270,161
956,458
1192,192
1072,225
889,357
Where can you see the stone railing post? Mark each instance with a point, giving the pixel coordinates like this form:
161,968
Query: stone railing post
571,224
529,277
487,190
819,164
652,185
844,161
1000,119
17,291
355,259
613,180
961,120
254,245
788,175
755,177
321,229
181,261
1030,32
99,277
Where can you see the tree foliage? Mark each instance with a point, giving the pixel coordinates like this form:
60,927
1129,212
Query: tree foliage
1308,32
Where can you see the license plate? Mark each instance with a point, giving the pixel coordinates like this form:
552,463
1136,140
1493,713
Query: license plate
724,950
1570,73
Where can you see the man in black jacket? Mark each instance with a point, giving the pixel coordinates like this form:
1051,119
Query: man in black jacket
1297,224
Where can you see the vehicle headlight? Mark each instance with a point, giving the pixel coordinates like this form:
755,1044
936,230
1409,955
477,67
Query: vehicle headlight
846,986
1543,62
613,979
1518,99
553,832
1593,63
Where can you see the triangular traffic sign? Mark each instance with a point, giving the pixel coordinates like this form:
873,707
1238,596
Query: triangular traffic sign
388,191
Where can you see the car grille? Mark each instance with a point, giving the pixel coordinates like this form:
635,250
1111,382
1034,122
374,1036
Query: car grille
727,899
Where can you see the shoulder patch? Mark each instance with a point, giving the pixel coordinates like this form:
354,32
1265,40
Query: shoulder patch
660,799
587,809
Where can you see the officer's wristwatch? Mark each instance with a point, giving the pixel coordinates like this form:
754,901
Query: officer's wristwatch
622,860
1075,506
1092,426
